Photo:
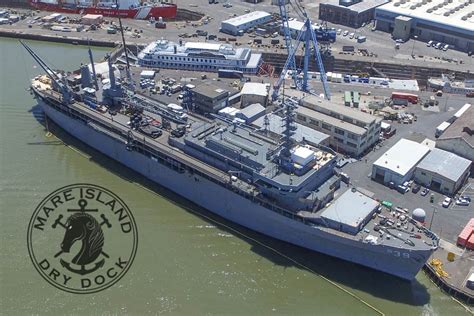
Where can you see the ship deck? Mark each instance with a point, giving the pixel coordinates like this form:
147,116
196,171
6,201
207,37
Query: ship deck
120,124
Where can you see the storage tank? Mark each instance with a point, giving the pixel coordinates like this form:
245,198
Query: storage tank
419,215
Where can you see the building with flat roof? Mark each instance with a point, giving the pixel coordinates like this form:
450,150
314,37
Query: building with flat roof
251,113
398,164
458,138
442,171
254,92
240,24
352,13
209,98
446,21
352,132
349,212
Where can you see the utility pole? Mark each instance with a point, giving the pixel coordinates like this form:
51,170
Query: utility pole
432,217
413,48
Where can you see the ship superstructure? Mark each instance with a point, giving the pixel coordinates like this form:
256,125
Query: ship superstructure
272,185
199,56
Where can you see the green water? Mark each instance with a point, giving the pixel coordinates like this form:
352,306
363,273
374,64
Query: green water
187,263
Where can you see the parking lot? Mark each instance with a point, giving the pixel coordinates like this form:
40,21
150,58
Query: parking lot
446,222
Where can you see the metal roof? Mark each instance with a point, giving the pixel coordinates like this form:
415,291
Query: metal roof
331,120
255,88
444,163
402,157
209,90
454,15
358,7
246,18
350,209
251,110
317,102
463,128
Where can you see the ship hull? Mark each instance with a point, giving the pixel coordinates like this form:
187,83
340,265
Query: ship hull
167,11
241,210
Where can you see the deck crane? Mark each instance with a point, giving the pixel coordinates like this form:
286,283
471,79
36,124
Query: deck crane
59,82
308,35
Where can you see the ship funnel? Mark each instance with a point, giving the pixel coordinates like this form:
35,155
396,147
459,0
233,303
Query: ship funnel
175,49
111,73
86,79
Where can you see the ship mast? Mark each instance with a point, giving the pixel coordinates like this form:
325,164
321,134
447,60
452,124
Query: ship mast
129,75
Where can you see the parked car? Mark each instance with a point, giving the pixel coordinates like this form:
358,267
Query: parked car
416,188
425,191
351,36
445,47
345,33
430,43
339,31
462,202
465,197
402,189
438,45
447,202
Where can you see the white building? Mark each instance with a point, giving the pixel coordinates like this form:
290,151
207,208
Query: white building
445,21
442,171
199,56
458,138
240,24
254,92
398,164
352,131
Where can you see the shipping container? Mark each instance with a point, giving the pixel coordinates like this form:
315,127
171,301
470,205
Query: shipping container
412,98
466,233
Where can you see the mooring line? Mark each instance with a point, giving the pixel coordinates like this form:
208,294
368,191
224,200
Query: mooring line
353,295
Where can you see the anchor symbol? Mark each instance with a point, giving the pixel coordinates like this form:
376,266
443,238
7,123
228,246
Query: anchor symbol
83,227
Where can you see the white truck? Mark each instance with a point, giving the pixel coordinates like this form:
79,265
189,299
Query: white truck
441,128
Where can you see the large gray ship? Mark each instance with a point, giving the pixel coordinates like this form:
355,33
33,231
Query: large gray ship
272,185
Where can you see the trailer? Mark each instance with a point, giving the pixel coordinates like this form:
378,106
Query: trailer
412,98
441,128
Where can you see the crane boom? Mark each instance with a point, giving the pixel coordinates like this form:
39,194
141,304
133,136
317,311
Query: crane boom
65,91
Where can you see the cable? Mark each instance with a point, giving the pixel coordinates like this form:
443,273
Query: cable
237,232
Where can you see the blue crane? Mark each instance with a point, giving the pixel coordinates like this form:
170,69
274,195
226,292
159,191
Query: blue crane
308,35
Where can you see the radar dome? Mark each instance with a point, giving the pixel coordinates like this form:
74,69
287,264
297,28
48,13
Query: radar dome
419,215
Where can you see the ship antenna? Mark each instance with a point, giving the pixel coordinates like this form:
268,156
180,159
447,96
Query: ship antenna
129,76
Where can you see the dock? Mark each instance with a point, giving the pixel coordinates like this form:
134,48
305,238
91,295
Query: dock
451,276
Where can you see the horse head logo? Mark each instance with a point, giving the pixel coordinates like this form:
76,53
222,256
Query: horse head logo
85,228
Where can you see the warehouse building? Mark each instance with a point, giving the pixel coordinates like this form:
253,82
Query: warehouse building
352,13
352,132
240,24
209,98
458,138
443,171
445,21
398,164
254,92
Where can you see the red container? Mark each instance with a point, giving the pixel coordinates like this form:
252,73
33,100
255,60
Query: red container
466,234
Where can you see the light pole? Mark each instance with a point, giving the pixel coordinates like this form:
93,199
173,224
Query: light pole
432,217
413,47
